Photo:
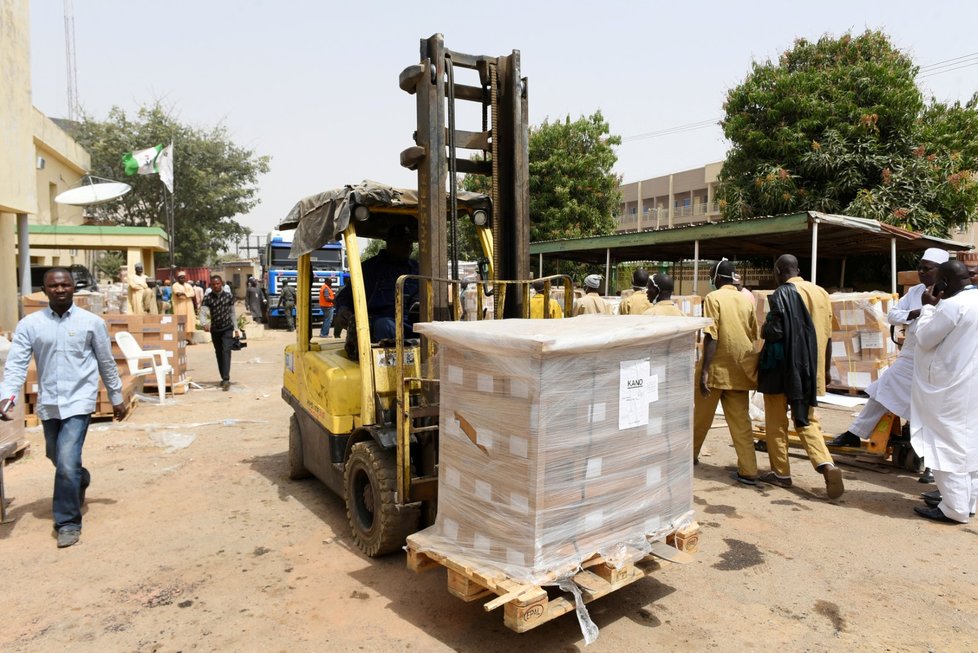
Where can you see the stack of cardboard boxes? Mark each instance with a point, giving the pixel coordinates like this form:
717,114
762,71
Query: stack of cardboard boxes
560,444
166,332
861,345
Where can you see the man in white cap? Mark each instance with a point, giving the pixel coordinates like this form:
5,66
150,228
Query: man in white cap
592,302
138,285
891,393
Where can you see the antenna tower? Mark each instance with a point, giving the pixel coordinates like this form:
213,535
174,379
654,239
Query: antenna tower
74,110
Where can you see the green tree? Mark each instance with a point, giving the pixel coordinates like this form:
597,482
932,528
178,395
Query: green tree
214,179
109,264
840,126
573,187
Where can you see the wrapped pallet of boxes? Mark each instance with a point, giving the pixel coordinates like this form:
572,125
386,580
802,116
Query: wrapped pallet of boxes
560,441
861,345
169,333
690,305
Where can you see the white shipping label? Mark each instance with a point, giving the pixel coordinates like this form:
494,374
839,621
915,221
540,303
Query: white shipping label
485,383
652,525
450,528
484,438
519,503
514,557
166,319
859,379
593,468
633,393
168,336
653,476
453,478
871,339
481,543
519,388
596,412
518,446
483,490
838,349
593,521
852,317
655,425
455,375
856,347
698,310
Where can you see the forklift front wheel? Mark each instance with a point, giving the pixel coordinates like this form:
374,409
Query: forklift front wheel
297,468
378,524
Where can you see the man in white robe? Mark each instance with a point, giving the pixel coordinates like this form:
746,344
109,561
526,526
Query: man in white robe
944,413
891,393
138,285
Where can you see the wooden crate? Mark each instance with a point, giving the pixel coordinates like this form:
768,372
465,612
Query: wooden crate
526,606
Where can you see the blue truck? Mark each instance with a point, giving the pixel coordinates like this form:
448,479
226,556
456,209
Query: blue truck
328,262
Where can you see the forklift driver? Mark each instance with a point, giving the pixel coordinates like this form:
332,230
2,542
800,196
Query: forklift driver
380,273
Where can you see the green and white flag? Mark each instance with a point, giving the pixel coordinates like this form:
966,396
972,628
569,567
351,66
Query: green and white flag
142,162
164,165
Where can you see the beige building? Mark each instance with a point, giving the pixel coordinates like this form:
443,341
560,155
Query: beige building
687,197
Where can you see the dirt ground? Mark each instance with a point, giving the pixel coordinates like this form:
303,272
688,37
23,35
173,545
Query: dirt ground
195,539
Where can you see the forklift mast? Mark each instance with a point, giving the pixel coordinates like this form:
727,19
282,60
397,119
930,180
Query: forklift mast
503,142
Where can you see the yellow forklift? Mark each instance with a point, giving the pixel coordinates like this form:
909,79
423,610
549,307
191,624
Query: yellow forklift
366,411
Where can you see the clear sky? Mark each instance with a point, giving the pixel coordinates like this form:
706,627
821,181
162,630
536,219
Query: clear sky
314,84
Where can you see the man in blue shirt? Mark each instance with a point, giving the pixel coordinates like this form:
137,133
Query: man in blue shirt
72,349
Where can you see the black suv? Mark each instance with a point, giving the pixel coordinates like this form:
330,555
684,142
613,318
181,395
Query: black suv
82,276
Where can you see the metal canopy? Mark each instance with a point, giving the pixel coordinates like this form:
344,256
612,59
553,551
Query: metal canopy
838,236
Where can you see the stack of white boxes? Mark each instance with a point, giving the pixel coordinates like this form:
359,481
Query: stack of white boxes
561,439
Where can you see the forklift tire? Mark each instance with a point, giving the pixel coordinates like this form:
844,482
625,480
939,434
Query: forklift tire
378,524
297,469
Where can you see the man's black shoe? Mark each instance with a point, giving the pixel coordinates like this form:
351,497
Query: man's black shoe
933,495
926,477
847,439
935,514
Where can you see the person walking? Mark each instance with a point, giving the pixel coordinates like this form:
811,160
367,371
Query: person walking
659,296
791,373
942,401
326,299
592,302
637,302
253,300
184,297
728,370
72,350
223,326
286,301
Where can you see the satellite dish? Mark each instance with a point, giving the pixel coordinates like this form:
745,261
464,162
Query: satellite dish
98,190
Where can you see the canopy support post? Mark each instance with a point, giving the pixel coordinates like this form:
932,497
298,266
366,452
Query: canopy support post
814,248
696,265
842,274
540,264
607,269
893,266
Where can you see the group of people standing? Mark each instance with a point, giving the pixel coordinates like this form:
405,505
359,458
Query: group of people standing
790,370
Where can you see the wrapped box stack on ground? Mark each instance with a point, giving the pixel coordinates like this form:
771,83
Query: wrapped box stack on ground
861,344
559,444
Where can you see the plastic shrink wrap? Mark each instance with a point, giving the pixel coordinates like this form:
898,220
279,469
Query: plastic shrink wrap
561,439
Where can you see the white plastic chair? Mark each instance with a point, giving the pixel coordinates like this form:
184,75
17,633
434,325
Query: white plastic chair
135,355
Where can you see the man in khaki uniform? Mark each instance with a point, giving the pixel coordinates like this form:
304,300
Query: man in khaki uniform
727,370
138,284
637,302
183,301
537,303
816,300
659,296
592,302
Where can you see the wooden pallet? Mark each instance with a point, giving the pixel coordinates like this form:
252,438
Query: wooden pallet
179,388
526,606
